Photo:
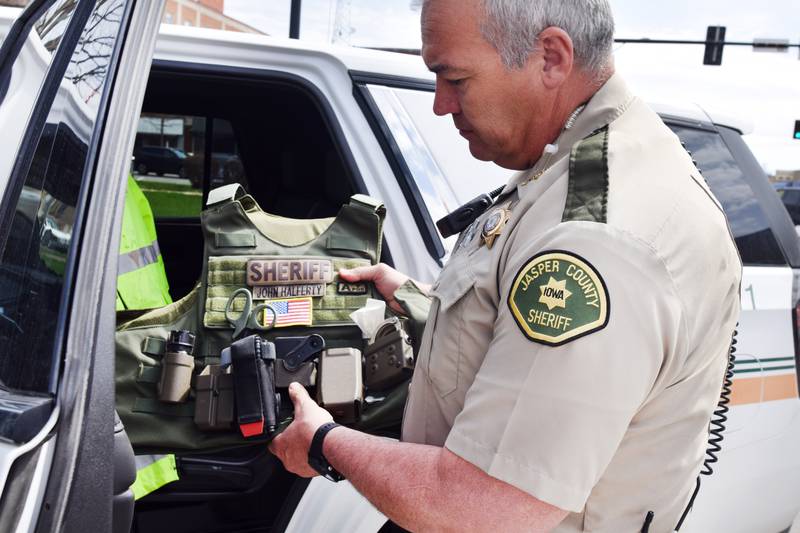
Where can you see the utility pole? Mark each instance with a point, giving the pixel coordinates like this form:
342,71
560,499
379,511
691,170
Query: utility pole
342,30
294,20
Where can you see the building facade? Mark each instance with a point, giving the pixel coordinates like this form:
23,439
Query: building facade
201,13
204,14
786,175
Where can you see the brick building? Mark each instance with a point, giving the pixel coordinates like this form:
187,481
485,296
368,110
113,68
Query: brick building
787,175
203,13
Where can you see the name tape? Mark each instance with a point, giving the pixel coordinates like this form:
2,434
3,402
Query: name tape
271,292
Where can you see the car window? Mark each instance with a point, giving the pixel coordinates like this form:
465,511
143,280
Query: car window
173,167
27,74
37,246
50,27
443,169
467,177
750,226
789,196
791,201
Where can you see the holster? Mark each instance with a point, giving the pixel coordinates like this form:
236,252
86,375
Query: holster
257,404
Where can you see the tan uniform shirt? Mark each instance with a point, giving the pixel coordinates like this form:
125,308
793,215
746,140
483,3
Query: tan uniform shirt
581,356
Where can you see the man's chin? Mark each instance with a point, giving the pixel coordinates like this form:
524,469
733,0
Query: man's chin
480,152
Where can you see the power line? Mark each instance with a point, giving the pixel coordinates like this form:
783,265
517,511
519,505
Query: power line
753,44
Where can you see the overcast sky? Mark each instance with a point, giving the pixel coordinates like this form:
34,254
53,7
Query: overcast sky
763,88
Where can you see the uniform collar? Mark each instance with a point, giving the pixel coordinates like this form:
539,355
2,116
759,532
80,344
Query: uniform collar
605,106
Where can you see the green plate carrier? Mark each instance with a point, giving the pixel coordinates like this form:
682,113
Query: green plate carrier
235,231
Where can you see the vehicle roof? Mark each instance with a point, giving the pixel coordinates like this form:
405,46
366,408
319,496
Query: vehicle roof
372,61
695,113
352,58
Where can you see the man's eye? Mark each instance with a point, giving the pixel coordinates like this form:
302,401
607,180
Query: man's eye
456,81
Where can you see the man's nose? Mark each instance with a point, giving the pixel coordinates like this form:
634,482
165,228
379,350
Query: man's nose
445,100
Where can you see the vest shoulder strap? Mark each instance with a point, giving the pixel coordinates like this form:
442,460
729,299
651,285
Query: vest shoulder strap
359,227
226,193
367,202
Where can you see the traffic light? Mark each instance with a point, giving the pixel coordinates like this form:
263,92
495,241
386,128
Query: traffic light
797,129
715,40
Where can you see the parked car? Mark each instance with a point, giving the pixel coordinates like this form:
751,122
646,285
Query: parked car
160,160
312,125
790,196
225,168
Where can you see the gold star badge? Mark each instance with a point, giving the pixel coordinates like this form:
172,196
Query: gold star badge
494,225
554,294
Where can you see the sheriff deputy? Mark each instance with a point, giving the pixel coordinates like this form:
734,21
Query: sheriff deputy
577,338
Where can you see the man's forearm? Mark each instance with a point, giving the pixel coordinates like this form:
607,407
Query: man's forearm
427,488
398,478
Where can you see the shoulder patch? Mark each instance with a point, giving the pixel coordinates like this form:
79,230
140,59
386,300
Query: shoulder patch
558,296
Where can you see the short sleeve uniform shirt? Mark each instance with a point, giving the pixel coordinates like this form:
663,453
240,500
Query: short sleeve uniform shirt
580,356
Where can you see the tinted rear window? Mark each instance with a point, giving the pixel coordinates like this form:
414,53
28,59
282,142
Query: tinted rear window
790,196
750,226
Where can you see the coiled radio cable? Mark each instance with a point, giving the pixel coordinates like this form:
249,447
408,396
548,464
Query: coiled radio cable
716,427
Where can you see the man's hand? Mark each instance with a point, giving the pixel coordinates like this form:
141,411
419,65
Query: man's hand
291,446
385,278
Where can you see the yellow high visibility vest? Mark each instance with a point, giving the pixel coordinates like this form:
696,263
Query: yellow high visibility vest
141,278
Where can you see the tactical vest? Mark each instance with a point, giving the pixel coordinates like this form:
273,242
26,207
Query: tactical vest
236,231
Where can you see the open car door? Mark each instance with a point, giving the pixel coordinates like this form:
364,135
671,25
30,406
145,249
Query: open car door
72,78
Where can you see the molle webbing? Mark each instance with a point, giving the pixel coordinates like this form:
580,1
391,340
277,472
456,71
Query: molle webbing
587,193
227,274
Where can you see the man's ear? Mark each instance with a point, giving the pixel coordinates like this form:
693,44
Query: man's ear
558,56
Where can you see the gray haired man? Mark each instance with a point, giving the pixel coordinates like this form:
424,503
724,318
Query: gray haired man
577,337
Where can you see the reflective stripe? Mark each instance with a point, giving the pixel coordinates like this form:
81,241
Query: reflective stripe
141,279
153,472
136,259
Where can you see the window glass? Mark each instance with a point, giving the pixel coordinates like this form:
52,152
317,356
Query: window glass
52,24
791,200
445,172
789,196
27,74
468,177
36,254
172,165
754,238
226,163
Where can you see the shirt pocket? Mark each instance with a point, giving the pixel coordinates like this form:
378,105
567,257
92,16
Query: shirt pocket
452,294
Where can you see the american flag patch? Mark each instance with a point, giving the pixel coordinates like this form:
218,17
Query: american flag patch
291,312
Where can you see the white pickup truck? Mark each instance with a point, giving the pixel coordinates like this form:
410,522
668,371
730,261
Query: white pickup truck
303,127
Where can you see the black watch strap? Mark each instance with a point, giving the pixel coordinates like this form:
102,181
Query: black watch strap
316,459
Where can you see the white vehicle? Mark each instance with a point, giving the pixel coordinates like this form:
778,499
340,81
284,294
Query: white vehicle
309,126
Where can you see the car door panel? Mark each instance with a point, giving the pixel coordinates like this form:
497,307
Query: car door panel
53,227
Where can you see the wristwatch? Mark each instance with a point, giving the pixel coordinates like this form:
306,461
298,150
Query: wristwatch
317,460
